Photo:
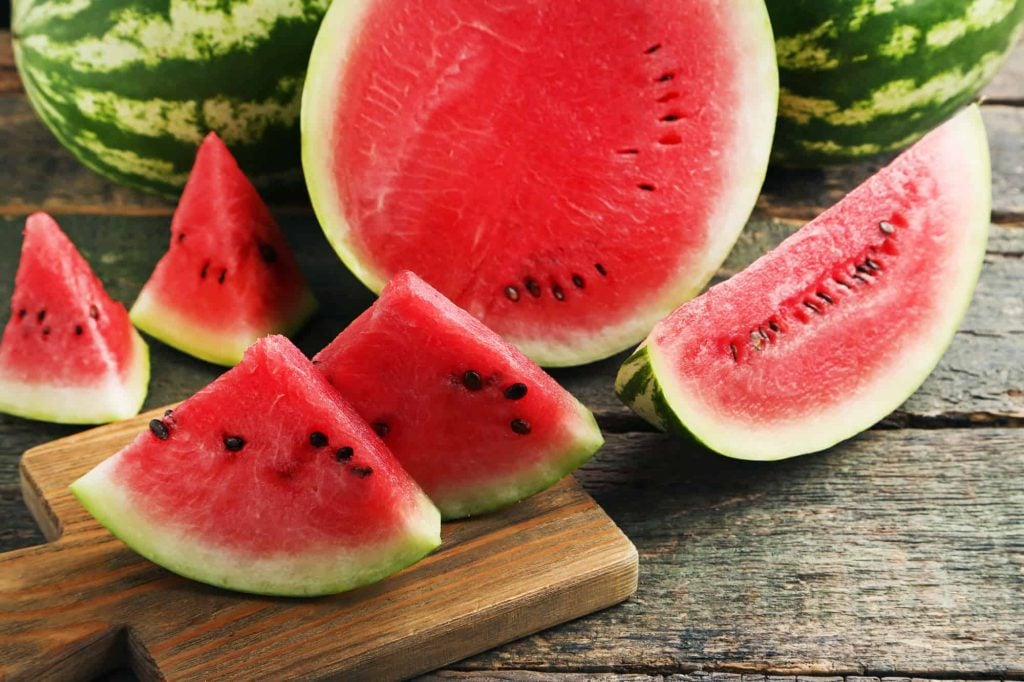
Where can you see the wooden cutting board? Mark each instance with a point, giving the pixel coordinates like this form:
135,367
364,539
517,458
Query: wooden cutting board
85,603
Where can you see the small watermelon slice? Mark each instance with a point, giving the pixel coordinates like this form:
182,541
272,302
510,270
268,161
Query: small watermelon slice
228,277
836,327
472,419
568,172
69,353
265,481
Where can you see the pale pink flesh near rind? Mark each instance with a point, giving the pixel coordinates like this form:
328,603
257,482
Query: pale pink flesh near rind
841,323
69,353
403,365
228,276
280,512
599,159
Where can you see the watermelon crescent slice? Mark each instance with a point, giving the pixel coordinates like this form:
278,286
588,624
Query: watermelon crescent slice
265,481
840,324
69,353
568,172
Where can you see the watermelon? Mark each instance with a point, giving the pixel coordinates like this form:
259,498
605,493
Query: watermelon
132,86
476,423
859,77
265,481
228,276
69,353
566,171
832,330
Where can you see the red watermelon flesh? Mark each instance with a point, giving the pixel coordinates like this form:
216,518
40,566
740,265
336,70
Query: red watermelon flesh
265,481
69,353
566,171
228,276
840,324
475,422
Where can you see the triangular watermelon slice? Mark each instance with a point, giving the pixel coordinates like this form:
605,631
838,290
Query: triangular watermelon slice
228,277
840,324
69,353
472,419
266,482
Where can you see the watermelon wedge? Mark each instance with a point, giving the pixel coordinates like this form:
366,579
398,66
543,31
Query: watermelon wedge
836,327
473,420
266,482
69,353
568,172
228,276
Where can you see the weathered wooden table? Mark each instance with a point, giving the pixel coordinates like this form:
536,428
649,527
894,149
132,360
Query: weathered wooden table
897,554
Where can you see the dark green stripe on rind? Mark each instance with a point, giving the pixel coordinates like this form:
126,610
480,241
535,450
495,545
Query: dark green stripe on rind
846,53
638,387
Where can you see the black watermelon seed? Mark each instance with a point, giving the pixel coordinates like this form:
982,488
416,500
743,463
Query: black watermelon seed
557,292
515,391
600,269
234,443
94,312
267,253
168,413
646,186
825,297
343,454
577,280
532,287
159,429
872,264
361,472
774,326
886,227
22,313
512,293
665,77
317,439
653,48
380,428
46,330
520,426
732,349
220,278
41,315
78,330
206,266
472,380
181,237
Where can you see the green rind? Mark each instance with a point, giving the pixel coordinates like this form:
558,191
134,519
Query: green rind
191,94
480,499
859,78
643,380
221,348
295,576
82,405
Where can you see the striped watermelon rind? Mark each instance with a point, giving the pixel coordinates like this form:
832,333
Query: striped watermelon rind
132,88
860,78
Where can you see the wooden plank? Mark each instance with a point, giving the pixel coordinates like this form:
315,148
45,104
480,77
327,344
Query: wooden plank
898,553
73,607
9,80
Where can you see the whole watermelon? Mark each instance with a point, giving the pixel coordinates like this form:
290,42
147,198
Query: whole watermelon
864,77
131,87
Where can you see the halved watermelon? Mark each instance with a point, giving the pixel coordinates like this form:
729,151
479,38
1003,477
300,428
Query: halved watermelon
69,353
837,326
473,420
228,277
566,171
267,482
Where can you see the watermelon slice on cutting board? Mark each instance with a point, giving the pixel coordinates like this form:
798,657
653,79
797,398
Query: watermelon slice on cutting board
834,329
228,276
473,420
568,172
69,353
266,482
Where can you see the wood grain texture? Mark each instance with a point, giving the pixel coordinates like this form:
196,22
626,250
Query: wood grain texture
896,553
85,602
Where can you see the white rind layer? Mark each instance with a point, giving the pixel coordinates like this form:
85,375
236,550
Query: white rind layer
104,401
324,571
757,89
886,390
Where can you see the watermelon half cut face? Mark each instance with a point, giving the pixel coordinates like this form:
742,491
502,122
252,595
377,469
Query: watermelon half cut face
568,172
836,327
69,354
474,421
266,482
